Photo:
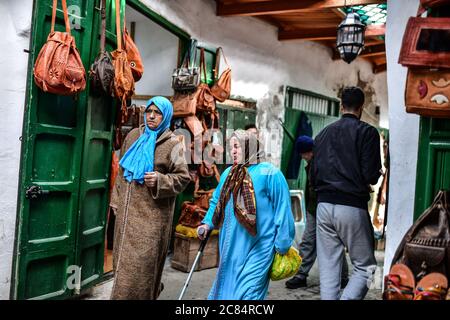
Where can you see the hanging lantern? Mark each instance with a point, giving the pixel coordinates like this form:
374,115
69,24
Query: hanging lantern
350,37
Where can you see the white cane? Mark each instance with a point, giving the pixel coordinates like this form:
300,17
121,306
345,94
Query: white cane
201,231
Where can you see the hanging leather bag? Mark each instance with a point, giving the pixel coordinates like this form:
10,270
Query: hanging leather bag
222,87
184,104
187,78
191,215
426,53
426,246
133,55
102,69
58,68
123,85
205,99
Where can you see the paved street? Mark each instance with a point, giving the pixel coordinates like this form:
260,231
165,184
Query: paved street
202,280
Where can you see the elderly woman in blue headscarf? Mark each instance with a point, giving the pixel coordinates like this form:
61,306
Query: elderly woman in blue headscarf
152,172
252,208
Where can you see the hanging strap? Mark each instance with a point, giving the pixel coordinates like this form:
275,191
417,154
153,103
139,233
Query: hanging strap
103,25
118,33
66,16
219,54
203,65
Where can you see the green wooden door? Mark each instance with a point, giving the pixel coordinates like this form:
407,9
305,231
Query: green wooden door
433,165
66,152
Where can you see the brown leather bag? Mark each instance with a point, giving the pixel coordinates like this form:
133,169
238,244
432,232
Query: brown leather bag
222,87
205,99
426,246
58,68
184,104
191,215
133,56
102,69
123,86
428,92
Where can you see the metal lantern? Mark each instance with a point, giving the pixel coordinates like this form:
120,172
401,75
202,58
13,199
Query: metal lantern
350,37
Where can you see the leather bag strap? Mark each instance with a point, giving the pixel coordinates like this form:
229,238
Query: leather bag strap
118,26
66,15
103,25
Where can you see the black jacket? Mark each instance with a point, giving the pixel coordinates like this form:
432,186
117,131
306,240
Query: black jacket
346,161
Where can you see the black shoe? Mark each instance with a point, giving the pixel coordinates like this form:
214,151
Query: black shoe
296,283
344,283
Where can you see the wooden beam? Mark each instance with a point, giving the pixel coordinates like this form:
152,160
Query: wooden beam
375,50
308,34
378,68
375,30
322,33
284,6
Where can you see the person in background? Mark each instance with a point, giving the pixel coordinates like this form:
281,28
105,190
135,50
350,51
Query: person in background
346,162
252,208
152,172
304,145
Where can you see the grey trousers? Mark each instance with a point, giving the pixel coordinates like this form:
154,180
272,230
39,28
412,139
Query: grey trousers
307,249
340,226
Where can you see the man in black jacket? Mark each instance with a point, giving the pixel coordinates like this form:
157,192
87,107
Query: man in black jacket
346,162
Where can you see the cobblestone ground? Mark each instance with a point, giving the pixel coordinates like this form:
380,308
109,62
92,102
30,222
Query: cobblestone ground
202,280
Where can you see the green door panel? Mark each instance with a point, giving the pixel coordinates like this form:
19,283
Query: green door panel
433,166
67,153
291,122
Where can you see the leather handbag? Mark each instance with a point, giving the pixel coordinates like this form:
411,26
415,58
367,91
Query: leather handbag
426,53
101,72
123,85
428,92
133,55
187,78
222,87
184,104
205,99
191,215
58,68
426,246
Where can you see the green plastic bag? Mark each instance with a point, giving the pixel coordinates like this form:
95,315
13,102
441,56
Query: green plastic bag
285,265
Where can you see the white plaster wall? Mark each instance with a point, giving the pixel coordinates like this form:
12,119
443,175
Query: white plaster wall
261,64
15,21
159,52
404,132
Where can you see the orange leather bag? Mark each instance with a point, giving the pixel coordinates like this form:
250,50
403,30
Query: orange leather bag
133,56
205,99
222,87
123,86
58,68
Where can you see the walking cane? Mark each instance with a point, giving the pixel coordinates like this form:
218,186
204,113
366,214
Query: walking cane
201,231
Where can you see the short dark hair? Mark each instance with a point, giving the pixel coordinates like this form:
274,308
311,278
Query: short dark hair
250,126
352,98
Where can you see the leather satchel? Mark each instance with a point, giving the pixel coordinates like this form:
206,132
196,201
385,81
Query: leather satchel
187,78
184,104
428,92
222,87
58,68
205,99
102,69
426,53
191,215
133,56
123,85
426,246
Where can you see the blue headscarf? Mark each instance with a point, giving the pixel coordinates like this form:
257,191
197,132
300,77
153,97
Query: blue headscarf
139,157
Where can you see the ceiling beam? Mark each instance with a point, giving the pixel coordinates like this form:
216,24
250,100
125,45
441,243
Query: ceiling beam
378,68
375,50
323,33
375,30
284,6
